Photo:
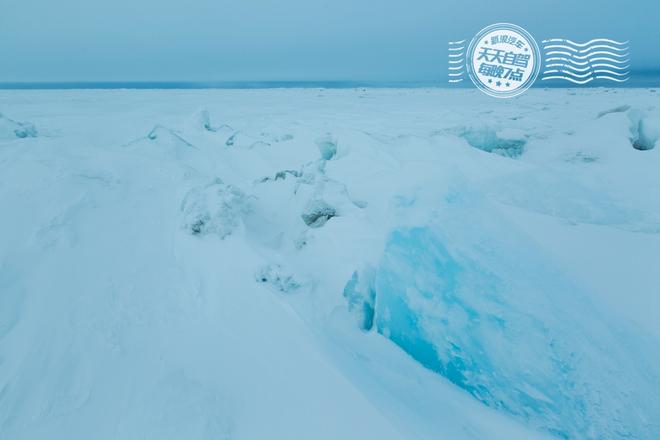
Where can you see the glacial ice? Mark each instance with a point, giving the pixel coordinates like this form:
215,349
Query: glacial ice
495,319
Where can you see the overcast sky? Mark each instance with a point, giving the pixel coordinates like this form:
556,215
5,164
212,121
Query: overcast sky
261,40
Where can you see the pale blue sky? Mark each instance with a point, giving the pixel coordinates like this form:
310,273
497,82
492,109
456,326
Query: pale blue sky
262,40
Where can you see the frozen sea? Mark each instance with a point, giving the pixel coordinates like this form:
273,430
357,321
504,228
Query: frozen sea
316,263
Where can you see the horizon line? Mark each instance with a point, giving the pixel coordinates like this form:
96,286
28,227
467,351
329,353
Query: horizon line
638,79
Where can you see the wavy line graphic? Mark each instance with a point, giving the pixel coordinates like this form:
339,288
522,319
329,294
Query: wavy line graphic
589,49
588,80
456,61
581,63
605,71
584,63
588,43
586,69
589,56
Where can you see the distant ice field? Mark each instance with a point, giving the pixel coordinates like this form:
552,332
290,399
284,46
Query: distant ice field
316,263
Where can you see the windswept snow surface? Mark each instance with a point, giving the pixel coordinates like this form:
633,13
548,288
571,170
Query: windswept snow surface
329,264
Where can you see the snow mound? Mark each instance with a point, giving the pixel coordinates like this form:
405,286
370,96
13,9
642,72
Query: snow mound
568,198
277,278
215,208
644,129
10,129
317,213
328,198
172,149
165,134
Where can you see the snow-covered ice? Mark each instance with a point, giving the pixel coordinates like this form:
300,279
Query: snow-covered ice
329,264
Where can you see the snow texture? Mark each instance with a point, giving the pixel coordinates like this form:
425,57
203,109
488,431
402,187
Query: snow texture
329,264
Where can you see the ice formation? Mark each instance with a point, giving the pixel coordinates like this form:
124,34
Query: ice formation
13,129
509,143
644,130
234,264
215,208
503,325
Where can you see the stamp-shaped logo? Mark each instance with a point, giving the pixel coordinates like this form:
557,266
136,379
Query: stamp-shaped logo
503,60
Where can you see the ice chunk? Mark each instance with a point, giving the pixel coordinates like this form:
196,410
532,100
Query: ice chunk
201,120
495,320
216,208
10,129
507,142
317,213
644,130
361,297
327,146
280,175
